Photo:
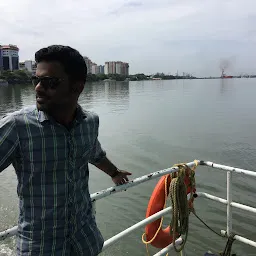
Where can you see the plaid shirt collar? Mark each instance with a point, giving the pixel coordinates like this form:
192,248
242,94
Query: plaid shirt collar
44,117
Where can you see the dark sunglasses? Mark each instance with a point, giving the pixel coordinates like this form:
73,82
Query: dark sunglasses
46,81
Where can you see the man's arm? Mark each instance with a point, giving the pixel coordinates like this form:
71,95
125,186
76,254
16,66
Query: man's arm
8,141
108,167
100,160
119,177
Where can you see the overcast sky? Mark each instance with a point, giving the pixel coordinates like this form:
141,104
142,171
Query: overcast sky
153,36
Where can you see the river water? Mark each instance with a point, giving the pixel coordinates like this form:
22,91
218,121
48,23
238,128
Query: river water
151,125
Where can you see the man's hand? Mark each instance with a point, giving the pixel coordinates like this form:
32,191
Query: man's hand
121,177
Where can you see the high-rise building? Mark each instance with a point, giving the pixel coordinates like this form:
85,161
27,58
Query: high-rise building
94,68
119,67
88,64
116,67
10,57
97,69
112,67
106,68
125,69
101,69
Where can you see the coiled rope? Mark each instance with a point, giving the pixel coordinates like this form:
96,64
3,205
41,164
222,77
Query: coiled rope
180,206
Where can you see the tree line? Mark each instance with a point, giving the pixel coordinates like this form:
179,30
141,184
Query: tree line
136,77
16,77
23,77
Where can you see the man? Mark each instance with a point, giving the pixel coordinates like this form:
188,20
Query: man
50,146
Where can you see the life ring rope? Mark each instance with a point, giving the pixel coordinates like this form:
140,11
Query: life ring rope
178,197
181,207
161,222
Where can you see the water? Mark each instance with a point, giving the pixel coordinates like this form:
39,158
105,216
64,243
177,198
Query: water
151,125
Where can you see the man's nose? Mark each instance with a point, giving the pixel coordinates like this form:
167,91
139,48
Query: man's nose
39,87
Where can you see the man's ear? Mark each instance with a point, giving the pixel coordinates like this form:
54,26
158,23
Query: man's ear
77,87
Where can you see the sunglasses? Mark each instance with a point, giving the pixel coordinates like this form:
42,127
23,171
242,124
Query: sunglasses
47,82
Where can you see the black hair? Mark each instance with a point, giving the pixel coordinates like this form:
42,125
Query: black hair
72,61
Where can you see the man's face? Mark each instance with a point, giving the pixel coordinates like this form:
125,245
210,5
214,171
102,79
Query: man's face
52,87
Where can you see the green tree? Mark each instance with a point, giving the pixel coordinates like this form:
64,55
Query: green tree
16,77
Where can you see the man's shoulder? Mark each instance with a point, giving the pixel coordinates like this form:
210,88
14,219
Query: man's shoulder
19,114
29,110
90,116
18,118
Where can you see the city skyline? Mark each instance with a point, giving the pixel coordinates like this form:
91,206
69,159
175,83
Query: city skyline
164,36
9,60
109,67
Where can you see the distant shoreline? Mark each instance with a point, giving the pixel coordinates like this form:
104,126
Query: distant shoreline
23,77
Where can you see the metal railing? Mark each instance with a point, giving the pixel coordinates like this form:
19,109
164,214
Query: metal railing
230,204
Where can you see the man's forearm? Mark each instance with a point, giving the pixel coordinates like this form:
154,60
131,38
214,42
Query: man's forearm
106,166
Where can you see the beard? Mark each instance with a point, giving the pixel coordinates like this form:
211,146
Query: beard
52,107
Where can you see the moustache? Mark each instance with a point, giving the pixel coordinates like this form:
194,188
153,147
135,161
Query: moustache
41,95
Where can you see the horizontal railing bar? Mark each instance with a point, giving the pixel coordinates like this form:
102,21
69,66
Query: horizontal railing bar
211,197
136,226
228,168
224,201
168,248
154,175
8,233
244,207
241,239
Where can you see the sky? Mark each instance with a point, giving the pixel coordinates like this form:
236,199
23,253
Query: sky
192,36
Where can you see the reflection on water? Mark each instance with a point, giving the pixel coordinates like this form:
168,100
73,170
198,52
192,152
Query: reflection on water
112,93
226,85
10,98
118,95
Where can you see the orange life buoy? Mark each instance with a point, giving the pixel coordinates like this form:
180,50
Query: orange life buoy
156,203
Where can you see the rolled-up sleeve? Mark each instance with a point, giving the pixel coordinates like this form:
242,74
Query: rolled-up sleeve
8,141
97,152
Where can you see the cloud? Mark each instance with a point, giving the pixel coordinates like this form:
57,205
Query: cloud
165,35
126,7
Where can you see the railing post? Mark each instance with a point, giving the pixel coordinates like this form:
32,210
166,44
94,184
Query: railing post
229,201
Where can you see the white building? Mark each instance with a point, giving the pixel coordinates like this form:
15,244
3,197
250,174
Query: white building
22,66
94,68
29,65
106,68
119,67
